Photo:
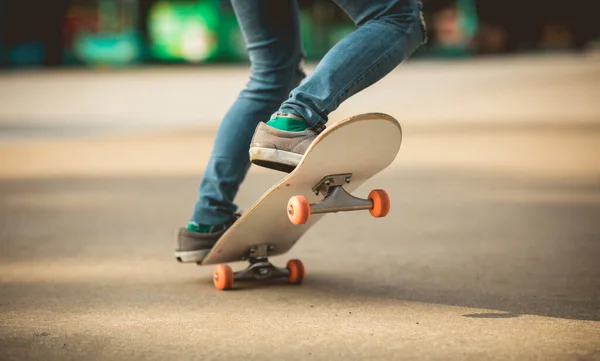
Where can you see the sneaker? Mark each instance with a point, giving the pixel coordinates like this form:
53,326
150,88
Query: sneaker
194,246
279,149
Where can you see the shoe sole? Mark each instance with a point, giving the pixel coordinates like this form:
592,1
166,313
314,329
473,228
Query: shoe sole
191,256
280,160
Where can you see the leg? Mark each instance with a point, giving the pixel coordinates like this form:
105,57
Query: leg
388,32
272,34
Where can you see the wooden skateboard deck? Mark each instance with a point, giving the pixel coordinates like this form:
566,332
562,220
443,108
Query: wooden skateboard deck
360,146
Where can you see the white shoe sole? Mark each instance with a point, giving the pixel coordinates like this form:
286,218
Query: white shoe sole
191,256
274,156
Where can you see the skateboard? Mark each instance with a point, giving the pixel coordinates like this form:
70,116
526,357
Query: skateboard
340,159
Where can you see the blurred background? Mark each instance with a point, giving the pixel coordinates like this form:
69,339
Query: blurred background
131,32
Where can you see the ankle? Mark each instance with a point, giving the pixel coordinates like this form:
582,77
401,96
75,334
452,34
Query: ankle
287,115
287,122
199,228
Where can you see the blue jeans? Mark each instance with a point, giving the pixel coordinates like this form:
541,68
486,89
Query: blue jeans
388,32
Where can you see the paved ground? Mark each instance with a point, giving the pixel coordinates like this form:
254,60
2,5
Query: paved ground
490,251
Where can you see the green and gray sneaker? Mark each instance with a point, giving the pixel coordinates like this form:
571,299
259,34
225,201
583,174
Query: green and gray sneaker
281,142
195,241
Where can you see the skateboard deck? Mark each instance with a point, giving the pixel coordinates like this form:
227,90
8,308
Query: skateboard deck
347,153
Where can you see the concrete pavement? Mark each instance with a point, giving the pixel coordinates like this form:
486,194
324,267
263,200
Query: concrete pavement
490,251
523,89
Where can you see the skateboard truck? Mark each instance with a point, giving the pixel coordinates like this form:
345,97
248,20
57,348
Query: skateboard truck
337,199
331,181
260,268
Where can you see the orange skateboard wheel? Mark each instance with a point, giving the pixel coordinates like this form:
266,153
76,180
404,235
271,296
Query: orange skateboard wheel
381,203
296,269
223,277
298,209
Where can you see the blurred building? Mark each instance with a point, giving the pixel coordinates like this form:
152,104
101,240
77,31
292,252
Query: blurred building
126,32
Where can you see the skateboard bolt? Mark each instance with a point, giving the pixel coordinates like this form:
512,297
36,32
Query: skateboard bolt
347,179
327,182
317,192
